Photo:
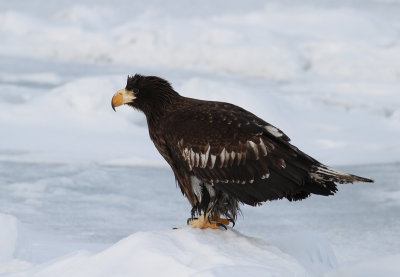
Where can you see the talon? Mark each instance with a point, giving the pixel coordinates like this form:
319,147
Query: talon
221,225
224,221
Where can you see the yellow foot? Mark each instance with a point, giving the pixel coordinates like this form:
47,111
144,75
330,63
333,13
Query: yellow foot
220,220
204,221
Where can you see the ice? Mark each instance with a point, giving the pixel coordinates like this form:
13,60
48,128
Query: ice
8,237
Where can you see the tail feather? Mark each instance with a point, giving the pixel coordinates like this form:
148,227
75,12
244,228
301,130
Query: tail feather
321,173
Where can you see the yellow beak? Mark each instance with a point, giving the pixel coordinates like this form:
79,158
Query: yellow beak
122,96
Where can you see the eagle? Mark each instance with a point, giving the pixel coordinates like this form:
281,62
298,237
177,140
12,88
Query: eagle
223,155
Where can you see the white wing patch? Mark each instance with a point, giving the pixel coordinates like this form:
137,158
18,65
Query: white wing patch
265,175
191,157
262,147
225,158
197,159
204,157
253,147
212,161
222,157
274,131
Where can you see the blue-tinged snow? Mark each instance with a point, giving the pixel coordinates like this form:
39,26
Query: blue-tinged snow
184,252
83,192
70,215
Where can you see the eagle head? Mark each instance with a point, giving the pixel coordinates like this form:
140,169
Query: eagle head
146,93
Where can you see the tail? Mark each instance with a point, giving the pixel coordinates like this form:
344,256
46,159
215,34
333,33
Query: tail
321,173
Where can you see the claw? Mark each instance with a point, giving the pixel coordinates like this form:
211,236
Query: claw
224,221
221,225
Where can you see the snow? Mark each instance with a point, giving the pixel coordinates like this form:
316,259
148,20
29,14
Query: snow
8,237
171,253
384,266
76,197
310,249
74,216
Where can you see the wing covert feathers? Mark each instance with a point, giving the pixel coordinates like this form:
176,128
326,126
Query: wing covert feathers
244,156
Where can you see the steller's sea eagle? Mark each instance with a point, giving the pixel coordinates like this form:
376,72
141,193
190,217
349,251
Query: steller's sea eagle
223,155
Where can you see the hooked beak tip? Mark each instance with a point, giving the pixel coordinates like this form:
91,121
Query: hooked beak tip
112,106
122,97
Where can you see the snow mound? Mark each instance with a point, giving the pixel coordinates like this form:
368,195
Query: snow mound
311,249
384,266
8,243
8,237
183,252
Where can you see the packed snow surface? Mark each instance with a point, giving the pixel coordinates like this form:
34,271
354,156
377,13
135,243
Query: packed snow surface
71,216
177,253
83,192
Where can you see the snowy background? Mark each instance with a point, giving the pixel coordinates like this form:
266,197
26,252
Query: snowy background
83,191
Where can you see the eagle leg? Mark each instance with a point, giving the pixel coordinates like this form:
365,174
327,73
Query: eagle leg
216,216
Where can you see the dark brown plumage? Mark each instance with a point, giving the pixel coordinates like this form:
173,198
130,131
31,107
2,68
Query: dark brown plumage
223,155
